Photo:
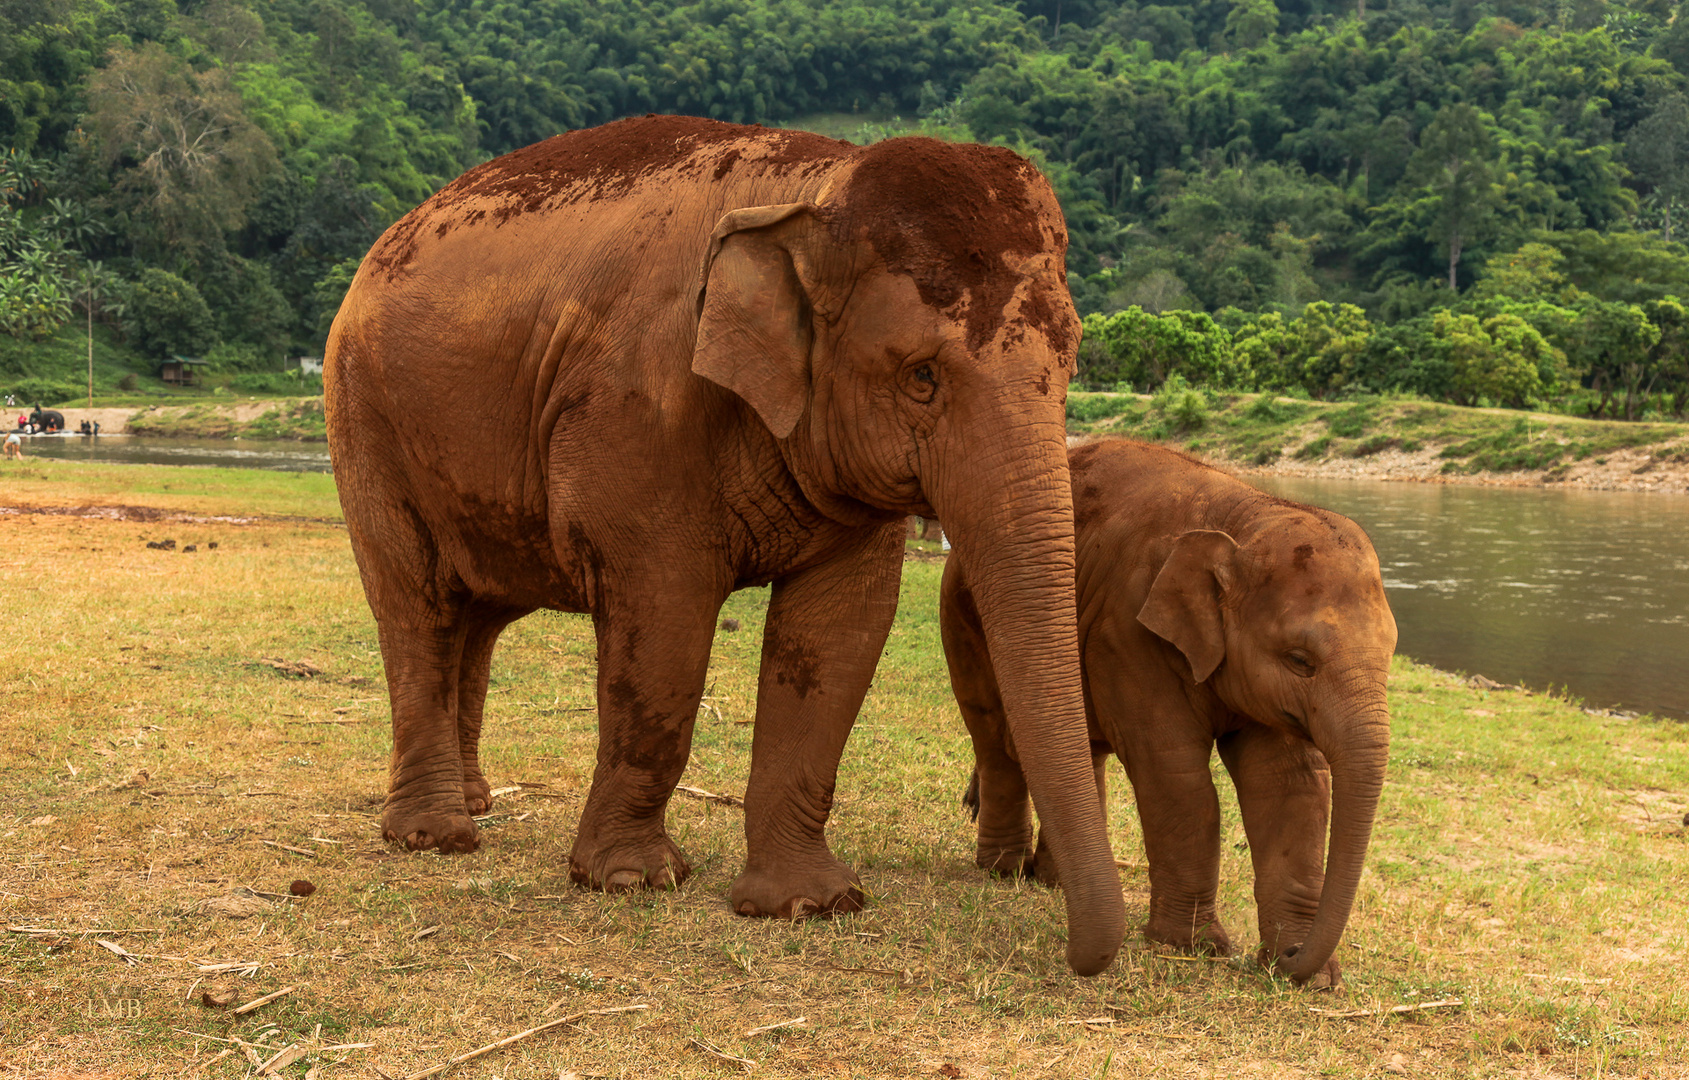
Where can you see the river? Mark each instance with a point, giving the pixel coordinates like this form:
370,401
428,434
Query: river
145,450
1586,590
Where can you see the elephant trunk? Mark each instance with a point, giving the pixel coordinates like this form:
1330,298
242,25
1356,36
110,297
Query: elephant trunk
1011,524
1357,747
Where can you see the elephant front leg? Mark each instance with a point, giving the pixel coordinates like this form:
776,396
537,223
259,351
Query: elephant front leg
1284,793
653,655
826,628
1180,814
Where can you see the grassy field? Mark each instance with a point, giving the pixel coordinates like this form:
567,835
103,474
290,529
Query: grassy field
1256,429
190,732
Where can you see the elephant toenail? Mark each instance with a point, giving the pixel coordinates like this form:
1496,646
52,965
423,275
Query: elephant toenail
622,881
748,909
803,907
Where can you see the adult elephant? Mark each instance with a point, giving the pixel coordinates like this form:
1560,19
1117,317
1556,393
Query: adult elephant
1209,613
47,419
734,356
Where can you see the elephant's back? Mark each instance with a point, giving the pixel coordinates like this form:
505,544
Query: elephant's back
1139,482
621,178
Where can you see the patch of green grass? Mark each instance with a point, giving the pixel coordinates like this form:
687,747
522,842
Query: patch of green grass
1090,408
1351,422
236,492
1316,448
1510,449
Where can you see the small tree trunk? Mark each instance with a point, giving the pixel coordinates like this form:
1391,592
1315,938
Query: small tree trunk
1454,261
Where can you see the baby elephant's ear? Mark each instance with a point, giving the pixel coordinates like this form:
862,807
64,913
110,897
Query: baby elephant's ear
754,328
1184,603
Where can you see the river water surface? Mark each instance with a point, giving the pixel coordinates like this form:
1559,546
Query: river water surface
1587,590
144,450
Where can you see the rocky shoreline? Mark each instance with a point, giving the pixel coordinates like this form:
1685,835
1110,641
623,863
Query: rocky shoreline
1618,470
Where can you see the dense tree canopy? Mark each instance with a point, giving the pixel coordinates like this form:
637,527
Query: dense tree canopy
1390,160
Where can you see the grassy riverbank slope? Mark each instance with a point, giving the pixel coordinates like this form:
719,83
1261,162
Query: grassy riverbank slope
1395,438
188,726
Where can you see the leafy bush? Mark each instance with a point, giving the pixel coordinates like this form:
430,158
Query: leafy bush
1185,407
168,316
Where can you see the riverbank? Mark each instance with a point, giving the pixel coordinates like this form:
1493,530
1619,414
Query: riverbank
1397,439
1379,439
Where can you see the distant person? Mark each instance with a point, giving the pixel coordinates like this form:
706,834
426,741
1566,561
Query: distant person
14,447
96,427
23,421
85,429
9,401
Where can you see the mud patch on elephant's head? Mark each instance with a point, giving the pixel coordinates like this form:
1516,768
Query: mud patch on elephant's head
957,220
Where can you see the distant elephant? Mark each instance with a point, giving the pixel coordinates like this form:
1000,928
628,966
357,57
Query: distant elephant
722,356
47,419
1208,612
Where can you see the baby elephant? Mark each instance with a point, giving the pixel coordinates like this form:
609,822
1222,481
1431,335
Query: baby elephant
1209,612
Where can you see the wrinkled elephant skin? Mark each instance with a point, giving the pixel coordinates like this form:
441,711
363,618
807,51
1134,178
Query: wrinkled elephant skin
630,369
1209,613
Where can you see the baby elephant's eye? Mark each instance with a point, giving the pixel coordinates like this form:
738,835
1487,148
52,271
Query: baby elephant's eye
1300,663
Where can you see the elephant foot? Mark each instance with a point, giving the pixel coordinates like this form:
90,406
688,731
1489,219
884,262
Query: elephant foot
1012,862
1329,977
422,828
628,867
824,891
1210,939
477,793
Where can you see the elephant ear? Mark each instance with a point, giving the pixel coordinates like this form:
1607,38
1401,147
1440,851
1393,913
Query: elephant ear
754,329
1183,607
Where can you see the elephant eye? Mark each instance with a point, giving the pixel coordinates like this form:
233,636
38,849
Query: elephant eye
1300,663
922,382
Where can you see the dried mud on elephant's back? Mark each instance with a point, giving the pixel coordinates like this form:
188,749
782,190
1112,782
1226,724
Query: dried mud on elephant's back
595,164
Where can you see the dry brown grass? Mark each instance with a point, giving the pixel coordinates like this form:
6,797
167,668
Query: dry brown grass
1531,860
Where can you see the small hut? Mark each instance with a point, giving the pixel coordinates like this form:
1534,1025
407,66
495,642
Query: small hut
181,370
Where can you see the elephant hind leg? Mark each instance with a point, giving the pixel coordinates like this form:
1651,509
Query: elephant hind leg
474,671
425,790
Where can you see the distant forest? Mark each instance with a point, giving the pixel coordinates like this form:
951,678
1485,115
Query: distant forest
1473,200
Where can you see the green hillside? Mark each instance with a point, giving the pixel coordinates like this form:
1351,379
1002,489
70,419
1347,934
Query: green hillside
210,171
